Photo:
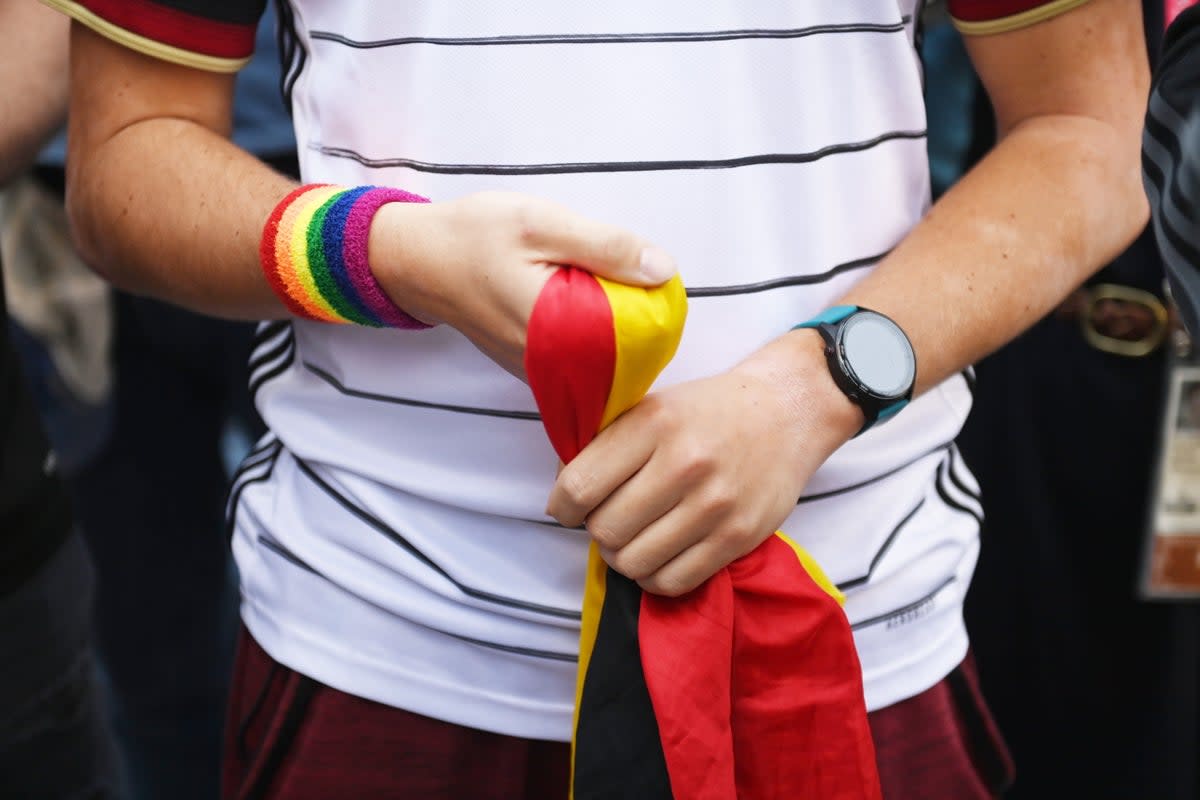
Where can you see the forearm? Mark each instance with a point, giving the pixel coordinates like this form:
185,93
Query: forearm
1057,198
33,82
168,208
163,204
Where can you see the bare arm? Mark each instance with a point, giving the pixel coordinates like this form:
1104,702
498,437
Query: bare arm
163,204
1057,198
1054,201
33,82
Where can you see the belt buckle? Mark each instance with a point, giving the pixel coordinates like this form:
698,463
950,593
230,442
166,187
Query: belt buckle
1131,348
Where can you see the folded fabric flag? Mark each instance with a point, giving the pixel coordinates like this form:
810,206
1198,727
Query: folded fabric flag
748,687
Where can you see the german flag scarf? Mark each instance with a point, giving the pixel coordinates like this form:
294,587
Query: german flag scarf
748,687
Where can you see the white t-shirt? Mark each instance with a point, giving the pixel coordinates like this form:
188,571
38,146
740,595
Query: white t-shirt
390,533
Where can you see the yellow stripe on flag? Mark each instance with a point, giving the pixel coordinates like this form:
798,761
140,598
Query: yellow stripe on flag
814,569
648,324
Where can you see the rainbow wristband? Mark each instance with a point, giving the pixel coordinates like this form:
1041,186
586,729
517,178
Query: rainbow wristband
314,254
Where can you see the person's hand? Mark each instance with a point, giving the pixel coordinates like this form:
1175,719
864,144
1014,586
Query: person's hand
479,263
701,473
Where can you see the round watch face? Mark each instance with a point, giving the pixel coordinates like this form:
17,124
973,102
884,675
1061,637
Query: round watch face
878,355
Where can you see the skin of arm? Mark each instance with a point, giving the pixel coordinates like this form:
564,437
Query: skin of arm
700,473
163,204
33,82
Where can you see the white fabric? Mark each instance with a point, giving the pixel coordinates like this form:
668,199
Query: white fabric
355,545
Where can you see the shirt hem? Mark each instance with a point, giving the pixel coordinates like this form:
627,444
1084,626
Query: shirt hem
339,670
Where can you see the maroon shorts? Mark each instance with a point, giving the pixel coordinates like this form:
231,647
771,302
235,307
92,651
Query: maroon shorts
291,737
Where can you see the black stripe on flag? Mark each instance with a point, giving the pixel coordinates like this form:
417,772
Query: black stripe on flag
616,719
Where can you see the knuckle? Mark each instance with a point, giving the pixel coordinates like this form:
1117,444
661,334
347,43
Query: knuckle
734,534
605,535
694,464
617,249
527,223
657,412
631,565
576,488
667,585
720,501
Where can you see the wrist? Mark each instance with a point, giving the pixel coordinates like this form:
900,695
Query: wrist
401,249
796,367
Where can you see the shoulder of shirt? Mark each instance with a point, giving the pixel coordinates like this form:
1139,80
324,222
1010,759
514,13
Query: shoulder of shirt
215,36
981,17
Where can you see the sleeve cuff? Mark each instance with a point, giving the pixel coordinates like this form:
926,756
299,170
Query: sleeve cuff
165,33
987,22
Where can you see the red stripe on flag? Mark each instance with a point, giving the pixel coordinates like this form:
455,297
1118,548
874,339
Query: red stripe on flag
757,687
570,356
177,28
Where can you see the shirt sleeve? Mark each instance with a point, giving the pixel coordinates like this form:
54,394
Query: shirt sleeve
978,17
1171,163
212,35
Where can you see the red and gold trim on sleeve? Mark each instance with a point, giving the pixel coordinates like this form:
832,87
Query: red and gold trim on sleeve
219,39
980,17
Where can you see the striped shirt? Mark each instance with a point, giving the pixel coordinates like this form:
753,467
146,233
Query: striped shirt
390,530
1170,170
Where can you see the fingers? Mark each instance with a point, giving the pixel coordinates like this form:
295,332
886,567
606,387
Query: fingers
658,544
690,568
634,507
612,458
685,547
565,237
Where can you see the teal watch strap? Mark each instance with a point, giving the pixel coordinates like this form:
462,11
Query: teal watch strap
828,317
891,411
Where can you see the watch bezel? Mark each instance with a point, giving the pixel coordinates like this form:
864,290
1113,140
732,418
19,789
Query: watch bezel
858,387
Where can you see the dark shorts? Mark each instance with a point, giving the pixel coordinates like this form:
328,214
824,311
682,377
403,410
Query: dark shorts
291,737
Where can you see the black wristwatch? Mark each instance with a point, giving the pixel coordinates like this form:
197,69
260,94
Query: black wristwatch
870,358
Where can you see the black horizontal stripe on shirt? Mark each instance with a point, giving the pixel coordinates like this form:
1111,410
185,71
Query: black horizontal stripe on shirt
287,555
809,498
883,549
404,401
905,609
781,283
617,166
617,38
395,536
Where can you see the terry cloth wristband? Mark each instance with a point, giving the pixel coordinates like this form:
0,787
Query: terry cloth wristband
314,254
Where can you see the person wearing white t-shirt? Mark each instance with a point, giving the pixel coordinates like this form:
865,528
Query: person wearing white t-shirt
404,579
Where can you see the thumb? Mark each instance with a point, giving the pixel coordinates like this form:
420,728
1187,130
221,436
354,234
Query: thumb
565,237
